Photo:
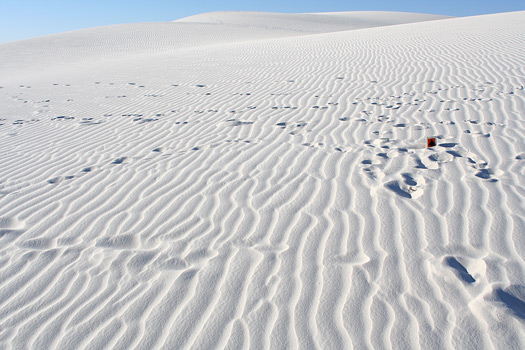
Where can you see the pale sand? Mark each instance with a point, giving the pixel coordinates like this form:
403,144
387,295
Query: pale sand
252,181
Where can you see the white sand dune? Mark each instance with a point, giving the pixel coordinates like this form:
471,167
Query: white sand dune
309,22
118,42
250,181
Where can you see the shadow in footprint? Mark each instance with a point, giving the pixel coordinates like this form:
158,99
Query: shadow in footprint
420,165
119,160
409,180
55,180
448,145
515,304
484,174
454,153
460,269
394,186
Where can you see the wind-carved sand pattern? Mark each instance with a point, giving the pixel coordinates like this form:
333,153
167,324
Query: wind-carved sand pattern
270,192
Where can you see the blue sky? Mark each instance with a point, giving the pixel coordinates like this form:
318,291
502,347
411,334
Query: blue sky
22,19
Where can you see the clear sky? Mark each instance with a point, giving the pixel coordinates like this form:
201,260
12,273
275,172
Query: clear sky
23,19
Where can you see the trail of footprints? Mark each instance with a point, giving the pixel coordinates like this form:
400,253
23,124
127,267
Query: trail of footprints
124,160
409,184
392,102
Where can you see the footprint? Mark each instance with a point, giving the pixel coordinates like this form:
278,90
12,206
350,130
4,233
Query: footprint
441,157
56,180
448,144
434,160
372,168
374,174
511,299
488,174
482,169
411,186
396,187
240,122
120,160
461,271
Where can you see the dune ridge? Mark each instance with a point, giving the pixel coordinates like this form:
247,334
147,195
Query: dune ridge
309,22
265,191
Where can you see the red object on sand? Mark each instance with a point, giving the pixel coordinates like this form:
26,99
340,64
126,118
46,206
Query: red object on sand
431,142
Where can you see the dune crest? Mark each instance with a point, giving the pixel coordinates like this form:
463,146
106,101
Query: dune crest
310,22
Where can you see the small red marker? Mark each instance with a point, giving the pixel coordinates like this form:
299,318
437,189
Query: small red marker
431,142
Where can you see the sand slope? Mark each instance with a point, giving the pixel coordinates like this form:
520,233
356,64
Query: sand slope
309,22
264,189
120,42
